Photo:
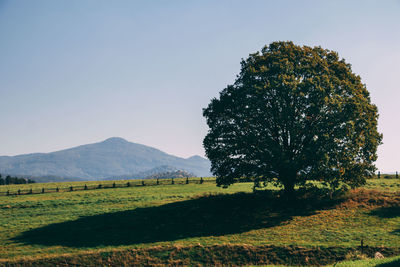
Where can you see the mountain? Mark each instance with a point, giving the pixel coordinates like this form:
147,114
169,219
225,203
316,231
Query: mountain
110,158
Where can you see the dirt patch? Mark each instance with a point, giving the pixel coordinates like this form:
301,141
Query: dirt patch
363,198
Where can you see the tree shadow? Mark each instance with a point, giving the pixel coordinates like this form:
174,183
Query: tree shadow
213,215
388,212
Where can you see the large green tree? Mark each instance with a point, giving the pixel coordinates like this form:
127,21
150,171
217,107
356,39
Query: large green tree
295,113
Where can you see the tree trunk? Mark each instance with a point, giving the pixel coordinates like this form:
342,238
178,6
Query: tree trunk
289,179
289,191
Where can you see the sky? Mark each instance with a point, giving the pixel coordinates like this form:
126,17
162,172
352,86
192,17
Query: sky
78,72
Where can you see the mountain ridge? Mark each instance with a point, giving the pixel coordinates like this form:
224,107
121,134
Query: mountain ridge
114,156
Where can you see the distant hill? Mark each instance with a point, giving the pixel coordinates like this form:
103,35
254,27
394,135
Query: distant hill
111,158
147,174
170,174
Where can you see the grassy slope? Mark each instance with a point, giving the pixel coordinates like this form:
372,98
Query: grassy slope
174,215
387,262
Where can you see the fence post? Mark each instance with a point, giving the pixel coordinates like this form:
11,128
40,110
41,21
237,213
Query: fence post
187,180
362,246
172,181
42,190
379,175
158,182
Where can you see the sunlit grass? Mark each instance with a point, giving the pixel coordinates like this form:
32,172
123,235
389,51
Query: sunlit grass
394,261
344,226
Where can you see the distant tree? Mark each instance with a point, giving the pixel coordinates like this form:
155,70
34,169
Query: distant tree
14,180
295,113
170,174
8,180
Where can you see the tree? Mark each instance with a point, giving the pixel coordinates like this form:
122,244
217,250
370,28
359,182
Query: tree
8,180
295,113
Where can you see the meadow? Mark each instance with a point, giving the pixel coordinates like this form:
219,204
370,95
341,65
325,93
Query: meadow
40,188
388,262
196,224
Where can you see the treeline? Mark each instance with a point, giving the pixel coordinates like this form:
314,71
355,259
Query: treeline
14,180
171,174
387,176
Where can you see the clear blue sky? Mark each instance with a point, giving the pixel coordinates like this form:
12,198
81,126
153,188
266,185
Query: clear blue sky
76,72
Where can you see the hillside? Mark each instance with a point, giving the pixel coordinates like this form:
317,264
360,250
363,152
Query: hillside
170,174
196,225
161,171
110,158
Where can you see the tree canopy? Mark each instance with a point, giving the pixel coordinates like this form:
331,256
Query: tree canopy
294,113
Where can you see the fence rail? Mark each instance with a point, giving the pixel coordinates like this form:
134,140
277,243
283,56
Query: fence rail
136,183
105,185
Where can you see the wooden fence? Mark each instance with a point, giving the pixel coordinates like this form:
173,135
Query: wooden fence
105,185
135,183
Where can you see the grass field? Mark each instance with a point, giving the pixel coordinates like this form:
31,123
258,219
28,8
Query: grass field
387,262
38,188
194,217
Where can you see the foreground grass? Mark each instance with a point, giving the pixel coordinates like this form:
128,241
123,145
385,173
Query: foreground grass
191,215
23,213
387,262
